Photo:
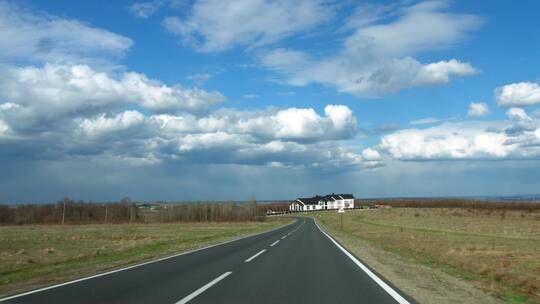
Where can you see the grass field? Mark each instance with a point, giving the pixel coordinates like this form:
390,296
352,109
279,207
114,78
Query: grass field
497,251
37,255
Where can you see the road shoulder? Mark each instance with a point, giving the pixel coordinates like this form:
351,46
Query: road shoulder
424,284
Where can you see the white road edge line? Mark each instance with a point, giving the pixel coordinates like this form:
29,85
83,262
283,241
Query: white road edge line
394,294
134,266
204,288
254,256
272,245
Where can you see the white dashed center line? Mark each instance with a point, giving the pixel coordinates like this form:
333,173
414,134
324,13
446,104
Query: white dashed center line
272,245
204,288
254,256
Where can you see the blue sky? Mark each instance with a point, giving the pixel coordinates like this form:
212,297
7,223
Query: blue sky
196,100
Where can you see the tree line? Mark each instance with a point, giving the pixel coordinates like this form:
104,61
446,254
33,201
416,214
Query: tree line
68,211
451,203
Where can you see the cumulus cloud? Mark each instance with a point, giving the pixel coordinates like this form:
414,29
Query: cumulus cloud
292,124
517,137
478,109
42,95
518,94
517,114
522,122
39,37
291,136
447,141
213,25
103,125
376,59
441,72
371,154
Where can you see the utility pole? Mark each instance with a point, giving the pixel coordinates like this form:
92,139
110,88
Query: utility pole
64,213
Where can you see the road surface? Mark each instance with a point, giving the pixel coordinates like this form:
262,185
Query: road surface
297,263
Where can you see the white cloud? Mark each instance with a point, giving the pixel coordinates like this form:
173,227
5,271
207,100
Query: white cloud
297,123
446,141
8,106
291,137
376,58
200,78
371,154
102,125
34,37
478,109
420,27
522,122
306,124
158,97
4,128
518,137
54,91
145,9
292,124
517,114
425,121
216,141
441,72
213,25
518,94
93,124
283,59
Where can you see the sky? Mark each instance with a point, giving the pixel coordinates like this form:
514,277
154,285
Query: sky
226,100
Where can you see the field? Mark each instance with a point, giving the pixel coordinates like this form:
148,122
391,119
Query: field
498,251
38,255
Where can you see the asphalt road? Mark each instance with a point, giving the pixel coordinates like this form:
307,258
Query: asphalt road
297,263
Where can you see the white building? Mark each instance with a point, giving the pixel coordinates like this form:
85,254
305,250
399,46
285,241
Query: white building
327,202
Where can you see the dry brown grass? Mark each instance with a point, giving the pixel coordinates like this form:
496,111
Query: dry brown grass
496,250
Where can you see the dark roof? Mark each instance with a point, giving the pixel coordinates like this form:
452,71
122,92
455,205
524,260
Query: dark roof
327,198
311,200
